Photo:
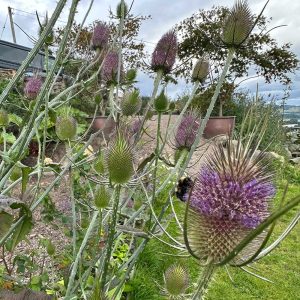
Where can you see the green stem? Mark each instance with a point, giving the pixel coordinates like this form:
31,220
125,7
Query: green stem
78,256
111,235
4,139
204,282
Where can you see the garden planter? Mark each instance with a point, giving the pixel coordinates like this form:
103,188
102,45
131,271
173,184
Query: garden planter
219,126
102,122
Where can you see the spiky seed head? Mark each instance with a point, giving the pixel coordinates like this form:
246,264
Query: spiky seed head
120,8
201,70
187,131
99,165
120,160
238,25
65,128
229,199
176,280
100,36
110,68
131,103
164,55
161,103
4,119
131,75
102,197
32,87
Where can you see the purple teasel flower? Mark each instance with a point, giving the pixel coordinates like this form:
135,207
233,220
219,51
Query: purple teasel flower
222,197
229,198
100,36
110,67
164,55
187,131
32,87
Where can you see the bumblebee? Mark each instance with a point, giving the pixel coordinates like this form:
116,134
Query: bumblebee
183,188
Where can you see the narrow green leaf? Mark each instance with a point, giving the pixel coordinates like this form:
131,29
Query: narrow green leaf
6,220
21,231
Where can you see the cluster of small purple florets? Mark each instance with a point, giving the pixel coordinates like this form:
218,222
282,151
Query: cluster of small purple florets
225,198
110,67
187,131
100,36
164,55
32,87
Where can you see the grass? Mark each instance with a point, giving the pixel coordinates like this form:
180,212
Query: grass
282,267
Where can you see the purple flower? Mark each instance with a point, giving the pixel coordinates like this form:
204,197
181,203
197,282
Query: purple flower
100,36
164,55
225,198
32,87
135,126
187,131
110,67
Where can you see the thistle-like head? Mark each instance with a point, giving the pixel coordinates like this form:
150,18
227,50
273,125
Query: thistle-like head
176,281
187,131
100,36
33,87
230,197
120,160
201,70
238,25
110,68
131,103
164,55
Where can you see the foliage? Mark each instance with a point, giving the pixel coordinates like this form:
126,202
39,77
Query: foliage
201,36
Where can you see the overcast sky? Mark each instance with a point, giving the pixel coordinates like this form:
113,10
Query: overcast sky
164,13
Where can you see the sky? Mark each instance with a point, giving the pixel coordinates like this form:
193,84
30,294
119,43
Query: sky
164,14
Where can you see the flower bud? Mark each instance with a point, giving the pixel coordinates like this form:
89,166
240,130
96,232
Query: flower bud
121,13
4,120
238,25
200,70
131,75
102,197
176,280
66,128
120,160
161,102
131,103
99,165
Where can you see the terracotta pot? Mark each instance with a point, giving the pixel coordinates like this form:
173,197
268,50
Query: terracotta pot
103,122
218,126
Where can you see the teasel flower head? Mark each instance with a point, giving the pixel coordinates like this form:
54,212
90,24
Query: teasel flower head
176,281
65,128
100,36
99,164
102,197
230,197
131,103
120,160
110,68
238,25
32,87
187,131
120,13
161,102
4,119
164,55
201,70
